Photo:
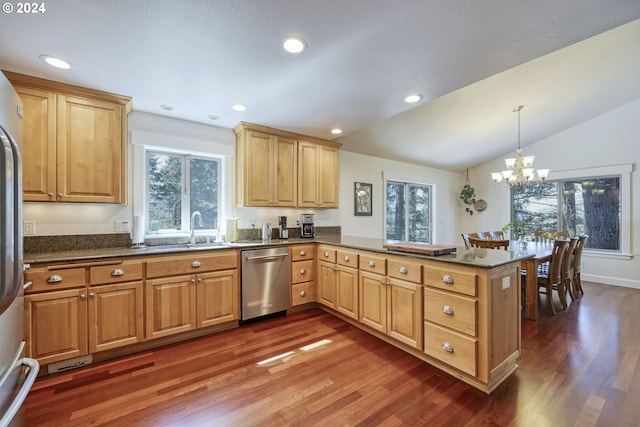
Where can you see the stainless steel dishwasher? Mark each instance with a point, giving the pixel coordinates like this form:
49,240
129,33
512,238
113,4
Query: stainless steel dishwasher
266,282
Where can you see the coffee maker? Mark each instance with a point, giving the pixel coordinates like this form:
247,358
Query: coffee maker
307,229
282,223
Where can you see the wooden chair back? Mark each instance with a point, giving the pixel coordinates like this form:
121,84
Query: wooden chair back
496,235
566,266
577,261
553,278
465,238
488,243
486,235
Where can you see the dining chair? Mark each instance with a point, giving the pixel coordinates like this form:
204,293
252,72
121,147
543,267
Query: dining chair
496,235
465,237
490,244
577,261
483,235
552,279
566,271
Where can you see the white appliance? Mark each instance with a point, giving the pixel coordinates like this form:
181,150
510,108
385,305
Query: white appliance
17,373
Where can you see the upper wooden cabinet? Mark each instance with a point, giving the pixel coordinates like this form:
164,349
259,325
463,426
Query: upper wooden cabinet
284,169
74,145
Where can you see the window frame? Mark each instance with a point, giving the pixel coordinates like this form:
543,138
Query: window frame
624,173
407,183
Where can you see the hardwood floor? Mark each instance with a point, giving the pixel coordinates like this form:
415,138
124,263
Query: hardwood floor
579,368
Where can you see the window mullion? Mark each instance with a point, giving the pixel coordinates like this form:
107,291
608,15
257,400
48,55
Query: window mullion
186,194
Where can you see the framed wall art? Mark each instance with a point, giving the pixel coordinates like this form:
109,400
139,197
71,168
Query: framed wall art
362,196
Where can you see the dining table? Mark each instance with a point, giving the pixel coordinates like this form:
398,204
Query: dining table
542,253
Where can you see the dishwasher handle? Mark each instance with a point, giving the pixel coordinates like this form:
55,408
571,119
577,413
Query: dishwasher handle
266,257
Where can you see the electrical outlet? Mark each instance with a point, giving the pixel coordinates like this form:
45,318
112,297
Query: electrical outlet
29,228
122,226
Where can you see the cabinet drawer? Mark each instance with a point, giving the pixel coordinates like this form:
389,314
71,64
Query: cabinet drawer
302,271
373,263
347,258
404,269
302,252
192,263
52,279
326,253
452,279
302,293
451,347
126,271
450,310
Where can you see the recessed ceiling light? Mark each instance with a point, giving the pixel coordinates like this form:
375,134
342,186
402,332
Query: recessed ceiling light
413,98
294,44
213,117
55,62
166,107
336,131
239,107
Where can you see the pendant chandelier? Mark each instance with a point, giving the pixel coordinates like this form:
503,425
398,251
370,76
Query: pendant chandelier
520,168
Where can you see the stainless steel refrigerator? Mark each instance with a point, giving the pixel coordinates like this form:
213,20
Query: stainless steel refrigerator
17,373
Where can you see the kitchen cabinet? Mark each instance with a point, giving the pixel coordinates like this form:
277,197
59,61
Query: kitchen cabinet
317,175
276,168
302,274
347,283
178,302
326,257
75,142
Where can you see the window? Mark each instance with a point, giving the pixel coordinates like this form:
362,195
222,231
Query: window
589,206
177,186
408,212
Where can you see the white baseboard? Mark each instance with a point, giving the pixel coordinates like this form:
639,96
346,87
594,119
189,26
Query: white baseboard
635,284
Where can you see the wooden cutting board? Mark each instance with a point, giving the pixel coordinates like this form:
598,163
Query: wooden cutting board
420,248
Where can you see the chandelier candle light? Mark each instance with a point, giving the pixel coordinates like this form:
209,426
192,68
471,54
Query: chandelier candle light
520,168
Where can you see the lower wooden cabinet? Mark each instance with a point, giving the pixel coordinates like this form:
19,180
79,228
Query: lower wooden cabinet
347,291
327,284
217,298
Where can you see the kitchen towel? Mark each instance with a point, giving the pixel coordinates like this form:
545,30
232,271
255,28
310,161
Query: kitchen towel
138,229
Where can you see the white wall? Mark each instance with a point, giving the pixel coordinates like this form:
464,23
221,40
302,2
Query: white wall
607,140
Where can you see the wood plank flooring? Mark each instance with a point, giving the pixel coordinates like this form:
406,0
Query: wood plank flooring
579,368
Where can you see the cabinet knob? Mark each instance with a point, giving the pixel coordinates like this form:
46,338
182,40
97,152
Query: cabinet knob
403,270
326,254
82,296
303,293
195,264
193,280
91,295
346,258
447,310
54,279
117,272
199,279
447,347
303,271
50,195
303,253
447,279
372,264
60,195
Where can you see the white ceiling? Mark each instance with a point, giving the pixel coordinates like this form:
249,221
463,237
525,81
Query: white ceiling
474,61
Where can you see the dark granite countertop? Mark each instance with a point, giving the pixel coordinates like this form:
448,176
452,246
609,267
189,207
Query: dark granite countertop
485,258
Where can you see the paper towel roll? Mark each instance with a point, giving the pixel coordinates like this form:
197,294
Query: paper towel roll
138,229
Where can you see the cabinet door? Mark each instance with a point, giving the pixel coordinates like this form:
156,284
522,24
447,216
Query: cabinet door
405,312
115,316
38,144
56,325
328,176
327,284
373,301
258,169
218,297
170,306
347,291
285,191
90,153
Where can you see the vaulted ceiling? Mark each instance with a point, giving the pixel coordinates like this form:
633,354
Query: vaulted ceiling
473,61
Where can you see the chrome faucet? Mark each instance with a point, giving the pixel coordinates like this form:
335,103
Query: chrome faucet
200,224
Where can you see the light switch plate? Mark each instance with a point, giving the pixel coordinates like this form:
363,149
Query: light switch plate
29,228
506,282
122,226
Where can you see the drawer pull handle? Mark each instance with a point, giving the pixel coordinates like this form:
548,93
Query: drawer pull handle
303,253
326,254
447,279
54,279
403,270
303,271
195,264
346,258
447,310
372,264
303,293
27,285
447,347
117,272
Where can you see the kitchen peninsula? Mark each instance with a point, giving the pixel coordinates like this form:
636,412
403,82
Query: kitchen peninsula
459,312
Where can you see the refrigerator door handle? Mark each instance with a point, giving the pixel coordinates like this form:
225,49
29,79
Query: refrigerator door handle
33,367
